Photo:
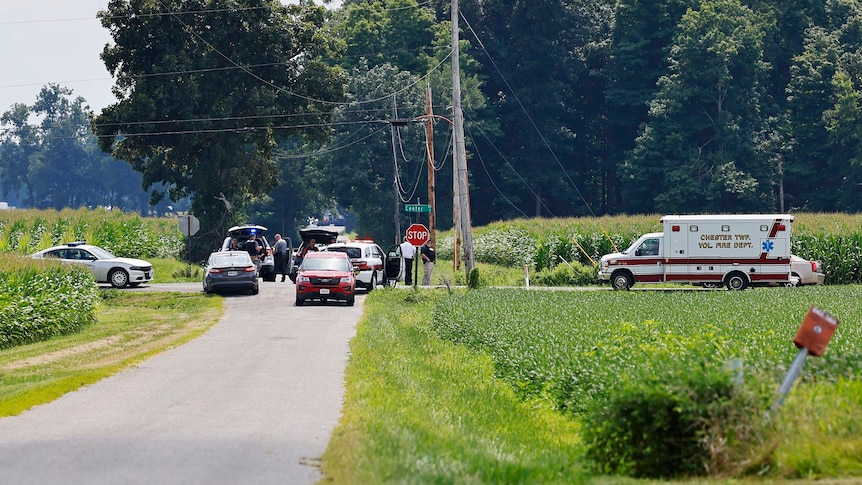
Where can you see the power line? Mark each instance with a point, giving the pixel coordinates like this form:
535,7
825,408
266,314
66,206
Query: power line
527,115
503,157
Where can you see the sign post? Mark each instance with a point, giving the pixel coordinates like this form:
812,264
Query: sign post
189,226
811,339
417,235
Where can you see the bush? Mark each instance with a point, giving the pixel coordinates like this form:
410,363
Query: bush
41,299
684,422
475,280
569,274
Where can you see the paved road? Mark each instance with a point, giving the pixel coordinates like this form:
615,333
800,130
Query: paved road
254,400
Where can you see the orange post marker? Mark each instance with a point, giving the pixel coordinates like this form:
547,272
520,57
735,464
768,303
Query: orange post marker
816,330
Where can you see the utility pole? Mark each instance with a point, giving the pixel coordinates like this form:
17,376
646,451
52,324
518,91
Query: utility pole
460,166
429,139
395,195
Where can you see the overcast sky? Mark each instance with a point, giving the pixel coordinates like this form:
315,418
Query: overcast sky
53,41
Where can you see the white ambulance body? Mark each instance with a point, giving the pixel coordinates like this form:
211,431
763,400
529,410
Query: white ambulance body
709,250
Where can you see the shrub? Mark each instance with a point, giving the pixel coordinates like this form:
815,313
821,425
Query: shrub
475,280
569,274
682,422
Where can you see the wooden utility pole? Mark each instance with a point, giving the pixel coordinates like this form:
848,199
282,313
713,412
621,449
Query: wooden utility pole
396,193
460,166
429,139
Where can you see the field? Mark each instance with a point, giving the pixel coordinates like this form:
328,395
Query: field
501,386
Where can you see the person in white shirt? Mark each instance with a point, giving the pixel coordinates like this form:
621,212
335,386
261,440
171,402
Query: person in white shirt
408,252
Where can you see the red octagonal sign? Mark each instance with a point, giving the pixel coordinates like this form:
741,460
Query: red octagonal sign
417,234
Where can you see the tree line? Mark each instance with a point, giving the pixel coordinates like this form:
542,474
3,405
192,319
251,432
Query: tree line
270,113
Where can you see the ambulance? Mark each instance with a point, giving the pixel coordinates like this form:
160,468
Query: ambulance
736,251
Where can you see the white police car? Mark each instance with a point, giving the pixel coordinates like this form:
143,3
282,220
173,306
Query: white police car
106,268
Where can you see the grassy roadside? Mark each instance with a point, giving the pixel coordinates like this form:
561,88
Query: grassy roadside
130,327
414,415
419,409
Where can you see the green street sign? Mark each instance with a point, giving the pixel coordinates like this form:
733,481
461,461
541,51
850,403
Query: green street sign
417,208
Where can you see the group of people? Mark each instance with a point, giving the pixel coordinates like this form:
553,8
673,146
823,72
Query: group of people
280,252
428,255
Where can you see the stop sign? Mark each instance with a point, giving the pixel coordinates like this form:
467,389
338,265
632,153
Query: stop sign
417,234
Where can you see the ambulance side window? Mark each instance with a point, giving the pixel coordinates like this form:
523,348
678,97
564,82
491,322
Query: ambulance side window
648,248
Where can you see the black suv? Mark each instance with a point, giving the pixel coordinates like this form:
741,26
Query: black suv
242,234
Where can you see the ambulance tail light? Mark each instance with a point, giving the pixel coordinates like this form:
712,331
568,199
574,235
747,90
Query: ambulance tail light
674,228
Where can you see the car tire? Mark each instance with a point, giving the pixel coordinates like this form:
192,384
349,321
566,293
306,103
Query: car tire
622,280
736,281
255,291
299,301
351,300
373,283
118,278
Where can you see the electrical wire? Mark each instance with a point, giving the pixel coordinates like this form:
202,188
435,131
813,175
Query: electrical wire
485,168
527,115
503,157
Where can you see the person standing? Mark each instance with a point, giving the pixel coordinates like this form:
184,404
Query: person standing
280,250
253,247
429,257
408,252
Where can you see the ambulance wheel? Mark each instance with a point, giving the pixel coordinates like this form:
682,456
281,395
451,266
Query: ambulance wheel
736,281
622,280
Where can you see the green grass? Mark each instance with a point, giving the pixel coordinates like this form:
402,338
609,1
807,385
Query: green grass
174,271
129,328
490,406
491,274
421,410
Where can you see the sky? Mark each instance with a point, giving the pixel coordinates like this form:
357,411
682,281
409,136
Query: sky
53,41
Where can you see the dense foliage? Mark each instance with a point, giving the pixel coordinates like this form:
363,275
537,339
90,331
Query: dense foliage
572,108
202,109
645,370
49,159
42,299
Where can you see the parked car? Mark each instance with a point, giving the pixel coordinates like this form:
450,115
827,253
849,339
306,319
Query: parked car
322,235
242,234
367,258
326,275
805,272
230,270
106,268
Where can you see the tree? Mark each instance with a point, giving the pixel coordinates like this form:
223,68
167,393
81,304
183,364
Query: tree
359,165
641,37
825,93
206,88
56,163
698,150
538,71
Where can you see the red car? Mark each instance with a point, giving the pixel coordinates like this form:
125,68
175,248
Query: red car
326,276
